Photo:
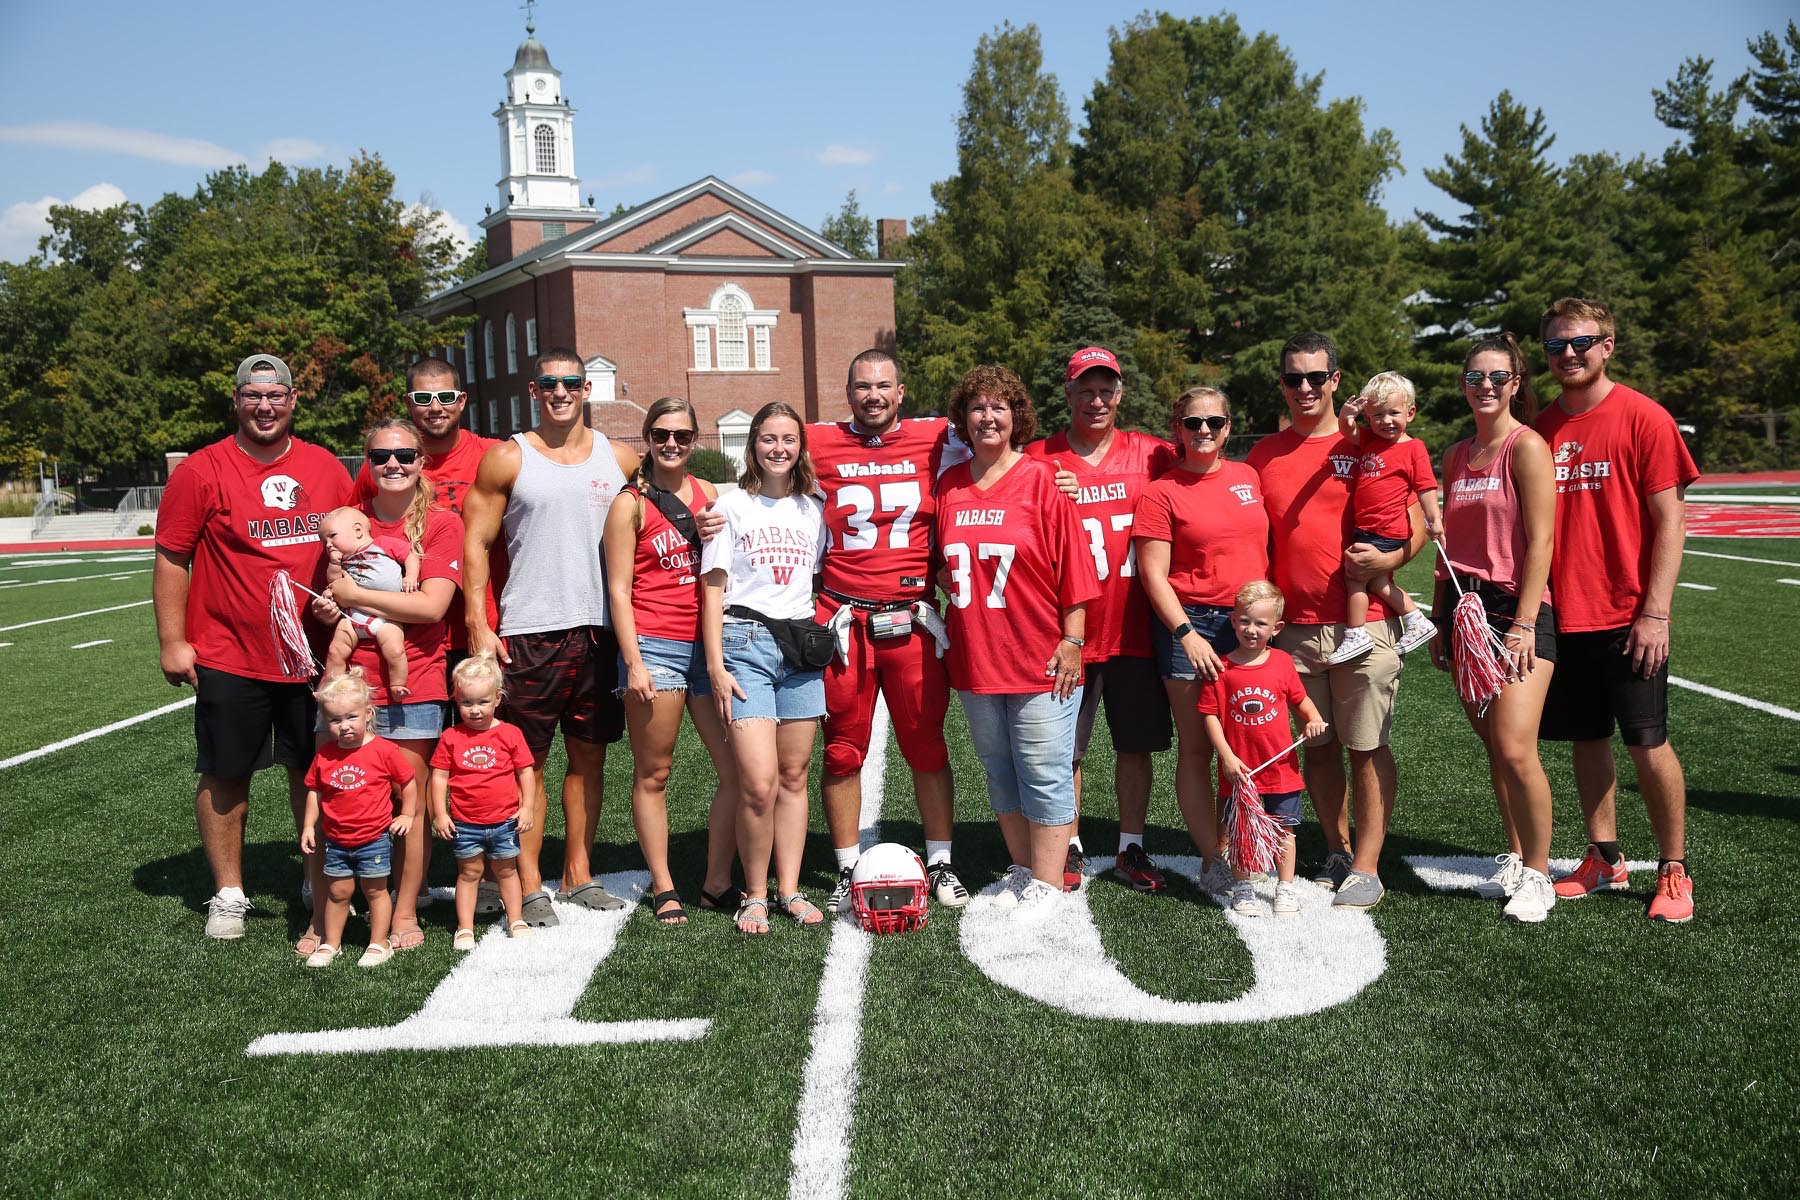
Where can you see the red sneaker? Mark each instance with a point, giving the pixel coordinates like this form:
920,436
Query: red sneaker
1074,867
1674,899
1138,869
1592,875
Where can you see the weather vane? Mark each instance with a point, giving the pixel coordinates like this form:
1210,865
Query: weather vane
530,25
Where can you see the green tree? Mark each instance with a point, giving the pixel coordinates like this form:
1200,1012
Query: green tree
849,228
1085,317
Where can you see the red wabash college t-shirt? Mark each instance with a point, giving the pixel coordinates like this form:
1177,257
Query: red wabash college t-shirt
1306,486
452,475
1017,558
242,521
356,789
1609,461
483,767
1388,476
665,575
425,642
878,506
1253,705
1216,527
1118,620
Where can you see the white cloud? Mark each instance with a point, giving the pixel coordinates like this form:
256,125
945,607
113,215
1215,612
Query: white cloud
631,177
835,155
892,186
158,147
754,177
22,224
439,224
292,151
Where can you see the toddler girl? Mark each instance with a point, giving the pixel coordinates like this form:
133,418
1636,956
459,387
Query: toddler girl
385,564
479,771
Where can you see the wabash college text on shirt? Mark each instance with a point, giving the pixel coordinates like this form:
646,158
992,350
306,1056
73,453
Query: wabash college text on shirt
1254,705
356,789
483,766
878,506
1609,461
242,521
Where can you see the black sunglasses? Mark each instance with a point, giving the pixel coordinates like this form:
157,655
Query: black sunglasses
1498,378
1582,344
1294,379
681,437
1196,424
547,383
427,399
406,456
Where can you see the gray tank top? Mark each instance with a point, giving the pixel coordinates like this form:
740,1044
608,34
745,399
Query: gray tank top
553,524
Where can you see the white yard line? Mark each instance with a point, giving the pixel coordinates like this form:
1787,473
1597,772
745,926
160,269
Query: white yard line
1698,587
91,645
92,612
90,735
820,1161
9,585
1795,582
1773,562
1720,694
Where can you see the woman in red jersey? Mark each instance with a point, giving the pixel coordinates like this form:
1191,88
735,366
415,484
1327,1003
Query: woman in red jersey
653,594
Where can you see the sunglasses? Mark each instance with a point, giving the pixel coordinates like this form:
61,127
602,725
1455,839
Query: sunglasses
681,437
1196,424
547,383
1294,379
1582,344
406,456
427,399
1498,378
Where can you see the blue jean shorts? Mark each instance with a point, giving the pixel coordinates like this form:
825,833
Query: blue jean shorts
772,689
672,665
1026,744
1386,545
421,722
371,860
495,841
1284,807
1211,621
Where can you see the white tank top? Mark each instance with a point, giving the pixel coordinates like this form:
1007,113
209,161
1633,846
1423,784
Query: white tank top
553,523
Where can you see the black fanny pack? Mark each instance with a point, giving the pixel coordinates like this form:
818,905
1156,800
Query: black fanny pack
806,645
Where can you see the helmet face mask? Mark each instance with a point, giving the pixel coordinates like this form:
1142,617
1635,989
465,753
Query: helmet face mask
888,889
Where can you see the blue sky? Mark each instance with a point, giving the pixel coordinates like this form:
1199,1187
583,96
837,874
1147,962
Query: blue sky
797,102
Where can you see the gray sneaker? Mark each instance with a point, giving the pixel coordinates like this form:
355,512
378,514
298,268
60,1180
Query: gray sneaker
537,910
1331,876
1359,891
225,918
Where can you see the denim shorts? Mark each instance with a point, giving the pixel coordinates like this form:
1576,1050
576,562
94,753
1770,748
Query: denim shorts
1386,545
772,689
371,860
495,841
1026,744
672,665
1211,621
1284,807
421,722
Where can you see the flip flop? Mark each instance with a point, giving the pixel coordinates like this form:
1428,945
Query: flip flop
754,912
676,915
726,901
406,939
591,895
803,911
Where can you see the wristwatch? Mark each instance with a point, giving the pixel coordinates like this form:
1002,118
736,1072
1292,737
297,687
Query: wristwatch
1075,640
1181,631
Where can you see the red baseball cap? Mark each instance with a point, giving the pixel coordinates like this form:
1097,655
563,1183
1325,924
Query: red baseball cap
1083,361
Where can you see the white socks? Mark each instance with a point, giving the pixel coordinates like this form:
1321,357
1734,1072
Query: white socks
936,852
847,855
1128,840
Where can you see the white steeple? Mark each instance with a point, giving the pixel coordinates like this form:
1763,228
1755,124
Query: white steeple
537,134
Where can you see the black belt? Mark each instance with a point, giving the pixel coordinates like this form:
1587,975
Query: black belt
867,605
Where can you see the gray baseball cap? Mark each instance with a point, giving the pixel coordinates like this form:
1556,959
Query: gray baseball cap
264,364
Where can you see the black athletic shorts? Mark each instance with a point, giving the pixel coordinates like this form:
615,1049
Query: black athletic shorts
1137,706
555,681
1501,607
1594,686
236,719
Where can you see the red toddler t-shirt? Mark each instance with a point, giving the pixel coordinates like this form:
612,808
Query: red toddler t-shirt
356,789
482,766
1388,475
1254,704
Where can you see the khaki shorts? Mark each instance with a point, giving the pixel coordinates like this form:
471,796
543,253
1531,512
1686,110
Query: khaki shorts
1358,697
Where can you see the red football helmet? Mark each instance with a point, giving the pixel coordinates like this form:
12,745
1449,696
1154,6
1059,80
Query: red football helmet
888,889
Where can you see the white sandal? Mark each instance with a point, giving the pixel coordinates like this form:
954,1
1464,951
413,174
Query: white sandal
464,940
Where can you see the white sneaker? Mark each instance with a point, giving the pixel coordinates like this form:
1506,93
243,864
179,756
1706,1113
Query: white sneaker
1287,900
1036,902
1532,900
1216,877
1505,880
1356,643
1243,899
1415,633
225,918
1017,879
946,888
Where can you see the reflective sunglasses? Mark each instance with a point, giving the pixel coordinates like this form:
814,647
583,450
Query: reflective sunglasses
406,456
681,437
1196,424
427,399
547,383
1294,379
1498,378
1582,344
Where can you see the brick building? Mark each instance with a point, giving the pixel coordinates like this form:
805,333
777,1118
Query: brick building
703,292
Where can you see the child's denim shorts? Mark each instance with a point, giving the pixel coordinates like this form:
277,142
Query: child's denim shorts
371,860
495,841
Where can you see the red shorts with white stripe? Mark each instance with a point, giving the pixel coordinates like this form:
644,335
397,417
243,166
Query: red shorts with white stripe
910,674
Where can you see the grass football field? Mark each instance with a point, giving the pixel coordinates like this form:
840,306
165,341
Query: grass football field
1144,1046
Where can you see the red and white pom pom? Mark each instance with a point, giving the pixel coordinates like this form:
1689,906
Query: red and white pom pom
1482,664
1253,839
285,627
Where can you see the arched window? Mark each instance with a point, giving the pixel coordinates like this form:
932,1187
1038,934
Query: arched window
512,346
544,138
487,348
734,341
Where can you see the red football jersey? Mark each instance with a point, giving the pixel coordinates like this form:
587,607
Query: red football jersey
356,789
878,506
1609,461
1017,558
1118,621
665,575
425,643
1306,486
483,767
1254,704
1388,475
242,521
